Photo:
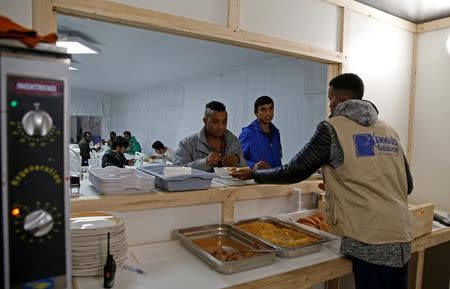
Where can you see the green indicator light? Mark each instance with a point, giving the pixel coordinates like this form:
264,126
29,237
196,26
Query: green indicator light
13,103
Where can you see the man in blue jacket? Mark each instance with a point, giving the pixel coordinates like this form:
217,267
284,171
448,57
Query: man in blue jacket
260,140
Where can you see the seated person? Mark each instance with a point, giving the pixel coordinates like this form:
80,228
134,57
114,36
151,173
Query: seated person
163,151
213,146
112,136
134,144
260,140
114,156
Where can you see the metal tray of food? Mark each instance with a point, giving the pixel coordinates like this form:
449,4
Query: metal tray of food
306,241
206,242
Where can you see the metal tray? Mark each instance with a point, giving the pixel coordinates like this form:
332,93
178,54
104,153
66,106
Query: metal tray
227,267
291,251
197,180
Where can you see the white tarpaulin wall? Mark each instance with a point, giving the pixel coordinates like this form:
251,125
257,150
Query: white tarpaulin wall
172,111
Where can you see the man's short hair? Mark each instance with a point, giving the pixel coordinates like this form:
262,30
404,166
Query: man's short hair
350,82
262,100
214,106
112,133
119,141
157,145
86,133
127,133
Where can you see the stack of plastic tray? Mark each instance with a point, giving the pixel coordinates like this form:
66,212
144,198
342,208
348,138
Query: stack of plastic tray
113,180
197,180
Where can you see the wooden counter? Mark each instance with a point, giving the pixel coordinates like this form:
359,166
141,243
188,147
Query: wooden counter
227,196
169,265
163,264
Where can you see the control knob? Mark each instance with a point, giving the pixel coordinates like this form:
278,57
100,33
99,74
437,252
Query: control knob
38,223
37,122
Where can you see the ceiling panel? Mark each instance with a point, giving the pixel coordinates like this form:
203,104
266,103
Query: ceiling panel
416,11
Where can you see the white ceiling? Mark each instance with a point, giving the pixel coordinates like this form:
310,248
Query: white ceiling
132,58
416,11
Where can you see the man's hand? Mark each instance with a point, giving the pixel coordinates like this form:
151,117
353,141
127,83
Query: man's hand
213,159
261,165
231,161
243,174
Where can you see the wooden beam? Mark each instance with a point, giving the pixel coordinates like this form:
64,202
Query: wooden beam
234,14
375,14
434,238
434,25
419,272
412,100
152,200
143,18
303,277
44,18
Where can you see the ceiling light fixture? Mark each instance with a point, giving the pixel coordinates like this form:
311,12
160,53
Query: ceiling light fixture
77,45
72,68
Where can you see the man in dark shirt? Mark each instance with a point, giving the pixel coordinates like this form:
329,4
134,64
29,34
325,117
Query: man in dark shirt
84,148
112,136
115,157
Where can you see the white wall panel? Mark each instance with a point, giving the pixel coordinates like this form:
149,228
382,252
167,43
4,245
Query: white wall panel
306,21
265,207
90,103
18,11
431,142
174,111
381,55
211,11
156,225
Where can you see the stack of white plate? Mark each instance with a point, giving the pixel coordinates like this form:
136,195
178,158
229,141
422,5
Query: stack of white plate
114,180
90,239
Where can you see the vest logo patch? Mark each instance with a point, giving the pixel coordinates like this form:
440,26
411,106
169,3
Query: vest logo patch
365,144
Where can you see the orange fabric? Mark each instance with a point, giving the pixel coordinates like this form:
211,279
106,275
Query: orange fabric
12,30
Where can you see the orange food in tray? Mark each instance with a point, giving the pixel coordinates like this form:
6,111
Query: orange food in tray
317,221
282,236
213,245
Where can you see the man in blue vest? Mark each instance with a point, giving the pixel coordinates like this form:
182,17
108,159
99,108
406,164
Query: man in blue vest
260,140
367,181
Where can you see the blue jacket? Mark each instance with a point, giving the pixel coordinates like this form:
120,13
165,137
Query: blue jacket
256,145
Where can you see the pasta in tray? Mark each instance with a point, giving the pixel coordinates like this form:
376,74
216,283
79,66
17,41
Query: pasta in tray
281,236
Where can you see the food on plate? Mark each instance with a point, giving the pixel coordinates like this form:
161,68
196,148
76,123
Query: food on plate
232,170
317,221
280,235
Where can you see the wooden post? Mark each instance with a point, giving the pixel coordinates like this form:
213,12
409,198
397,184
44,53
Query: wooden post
44,18
333,71
412,99
228,211
345,36
333,284
419,272
234,14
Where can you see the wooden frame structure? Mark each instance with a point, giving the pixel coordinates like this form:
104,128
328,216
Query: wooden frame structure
45,13
44,21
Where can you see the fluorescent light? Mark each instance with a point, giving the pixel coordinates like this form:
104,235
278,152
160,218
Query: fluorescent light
77,45
72,68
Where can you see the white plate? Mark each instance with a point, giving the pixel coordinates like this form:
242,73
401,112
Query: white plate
94,220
